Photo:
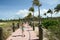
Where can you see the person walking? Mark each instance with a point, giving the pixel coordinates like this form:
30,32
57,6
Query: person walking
23,30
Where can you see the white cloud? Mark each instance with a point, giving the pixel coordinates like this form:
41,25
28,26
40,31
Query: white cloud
42,11
24,12
56,14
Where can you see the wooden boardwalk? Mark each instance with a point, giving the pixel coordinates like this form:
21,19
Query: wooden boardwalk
28,34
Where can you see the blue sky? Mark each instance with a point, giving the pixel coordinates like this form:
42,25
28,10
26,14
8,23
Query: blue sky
10,9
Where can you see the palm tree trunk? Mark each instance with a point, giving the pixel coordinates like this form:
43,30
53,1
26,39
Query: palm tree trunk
33,17
40,29
39,15
33,21
51,15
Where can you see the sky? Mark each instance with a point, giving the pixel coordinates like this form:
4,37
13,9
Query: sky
14,9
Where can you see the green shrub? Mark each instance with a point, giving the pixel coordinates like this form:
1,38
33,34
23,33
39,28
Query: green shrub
48,23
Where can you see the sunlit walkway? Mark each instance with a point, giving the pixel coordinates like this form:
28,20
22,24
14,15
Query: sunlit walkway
28,34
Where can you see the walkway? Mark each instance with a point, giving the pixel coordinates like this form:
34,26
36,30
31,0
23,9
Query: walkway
28,34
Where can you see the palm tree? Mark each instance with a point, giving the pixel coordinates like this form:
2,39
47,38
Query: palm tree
57,8
51,12
28,16
37,3
32,10
45,14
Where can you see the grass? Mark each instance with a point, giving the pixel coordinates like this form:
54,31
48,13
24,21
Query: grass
7,28
54,27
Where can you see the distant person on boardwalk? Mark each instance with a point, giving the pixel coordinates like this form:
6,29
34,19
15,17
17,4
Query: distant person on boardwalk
18,25
22,30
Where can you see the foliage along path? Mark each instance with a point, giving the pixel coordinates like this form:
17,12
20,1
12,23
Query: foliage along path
28,34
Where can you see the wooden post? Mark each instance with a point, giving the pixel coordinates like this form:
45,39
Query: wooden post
40,32
13,27
1,33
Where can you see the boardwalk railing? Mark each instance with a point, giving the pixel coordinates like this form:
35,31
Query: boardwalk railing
1,33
